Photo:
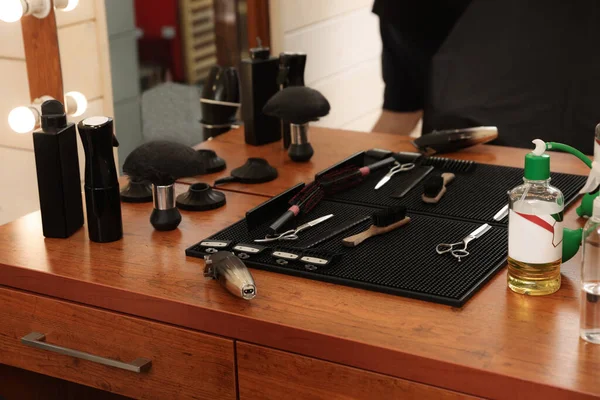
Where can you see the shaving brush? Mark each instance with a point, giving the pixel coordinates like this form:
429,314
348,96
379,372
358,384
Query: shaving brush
299,105
161,163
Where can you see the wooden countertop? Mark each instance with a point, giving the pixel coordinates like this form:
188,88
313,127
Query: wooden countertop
332,146
499,345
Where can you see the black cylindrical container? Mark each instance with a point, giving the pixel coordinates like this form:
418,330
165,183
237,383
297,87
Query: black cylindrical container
57,167
291,73
258,76
300,149
103,202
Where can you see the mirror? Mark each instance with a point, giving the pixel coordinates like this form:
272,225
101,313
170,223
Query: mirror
161,54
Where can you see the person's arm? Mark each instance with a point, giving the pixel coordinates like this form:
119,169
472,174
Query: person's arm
411,33
402,123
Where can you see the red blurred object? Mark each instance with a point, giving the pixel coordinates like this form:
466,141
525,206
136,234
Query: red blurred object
152,17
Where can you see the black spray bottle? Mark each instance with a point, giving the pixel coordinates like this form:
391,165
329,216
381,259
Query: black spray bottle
103,203
258,78
57,166
291,73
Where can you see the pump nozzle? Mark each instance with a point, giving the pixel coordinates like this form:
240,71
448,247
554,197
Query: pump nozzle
540,147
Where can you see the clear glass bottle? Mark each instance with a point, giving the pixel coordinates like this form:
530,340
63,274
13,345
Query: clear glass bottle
590,279
535,231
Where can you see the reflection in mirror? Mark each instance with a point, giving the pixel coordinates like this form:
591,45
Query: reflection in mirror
163,54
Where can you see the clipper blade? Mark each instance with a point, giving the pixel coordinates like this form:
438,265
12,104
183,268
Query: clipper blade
232,274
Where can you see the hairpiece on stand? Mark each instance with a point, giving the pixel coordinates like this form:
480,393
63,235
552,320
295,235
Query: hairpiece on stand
210,161
255,170
200,197
299,105
161,163
137,191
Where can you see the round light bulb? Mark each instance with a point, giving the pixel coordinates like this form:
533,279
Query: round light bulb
22,120
71,5
11,10
81,104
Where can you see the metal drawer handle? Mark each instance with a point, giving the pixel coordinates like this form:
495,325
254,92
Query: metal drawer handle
37,340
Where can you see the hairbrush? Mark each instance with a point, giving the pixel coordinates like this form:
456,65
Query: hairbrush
330,183
435,187
304,201
384,221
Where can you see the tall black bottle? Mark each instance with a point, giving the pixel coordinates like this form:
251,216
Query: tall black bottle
291,73
57,166
103,203
258,78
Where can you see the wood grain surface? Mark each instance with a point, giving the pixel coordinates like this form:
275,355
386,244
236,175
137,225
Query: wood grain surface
333,145
267,374
257,19
499,345
185,364
40,39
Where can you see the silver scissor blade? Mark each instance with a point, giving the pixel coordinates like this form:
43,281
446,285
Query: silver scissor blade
477,233
501,214
383,181
315,222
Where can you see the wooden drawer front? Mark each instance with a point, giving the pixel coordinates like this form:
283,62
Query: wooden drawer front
185,364
272,374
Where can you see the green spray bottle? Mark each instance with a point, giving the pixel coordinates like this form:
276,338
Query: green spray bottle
572,237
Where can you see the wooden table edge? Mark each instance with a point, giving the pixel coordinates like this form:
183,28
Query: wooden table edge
339,350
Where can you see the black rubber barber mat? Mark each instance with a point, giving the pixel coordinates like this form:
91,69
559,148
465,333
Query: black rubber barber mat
403,262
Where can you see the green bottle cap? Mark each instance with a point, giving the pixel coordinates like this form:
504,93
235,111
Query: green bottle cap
537,168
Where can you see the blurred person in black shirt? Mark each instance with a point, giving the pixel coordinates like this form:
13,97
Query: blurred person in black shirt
529,67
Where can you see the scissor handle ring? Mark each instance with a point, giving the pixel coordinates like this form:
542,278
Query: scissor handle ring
291,236
460,253
443,248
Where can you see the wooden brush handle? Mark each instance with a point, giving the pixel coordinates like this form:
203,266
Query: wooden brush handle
357,239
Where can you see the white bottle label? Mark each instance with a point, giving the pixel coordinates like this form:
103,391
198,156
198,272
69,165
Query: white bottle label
535,239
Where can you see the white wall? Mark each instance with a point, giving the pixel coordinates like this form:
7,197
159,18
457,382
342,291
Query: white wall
343,47
84,57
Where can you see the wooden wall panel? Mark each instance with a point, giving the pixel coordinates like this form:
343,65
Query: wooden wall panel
258,22
41,47
226,32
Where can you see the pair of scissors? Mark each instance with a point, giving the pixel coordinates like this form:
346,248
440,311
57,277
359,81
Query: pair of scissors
395,169
292,234
459,253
